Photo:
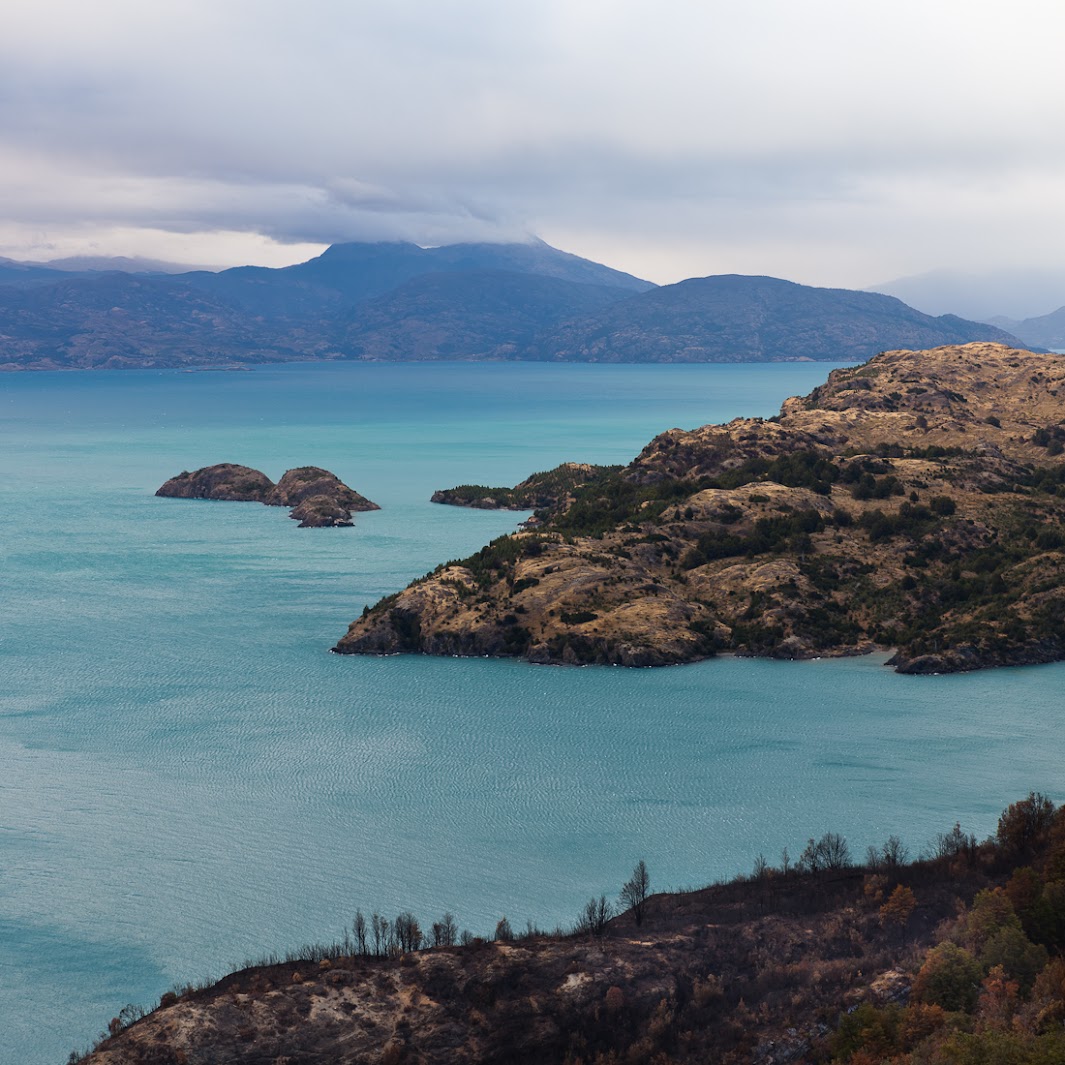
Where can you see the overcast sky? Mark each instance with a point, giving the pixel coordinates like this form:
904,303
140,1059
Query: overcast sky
826,141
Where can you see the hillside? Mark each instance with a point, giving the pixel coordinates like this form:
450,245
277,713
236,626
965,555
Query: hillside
734,318
126,321
474,314
914,502
815,961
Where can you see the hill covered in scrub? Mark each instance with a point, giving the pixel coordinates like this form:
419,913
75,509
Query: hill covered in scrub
956,958
915,502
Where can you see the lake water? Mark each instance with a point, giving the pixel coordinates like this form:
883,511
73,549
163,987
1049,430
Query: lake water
188,778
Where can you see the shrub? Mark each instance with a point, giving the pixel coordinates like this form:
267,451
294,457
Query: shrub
950,977
899,907
1024,824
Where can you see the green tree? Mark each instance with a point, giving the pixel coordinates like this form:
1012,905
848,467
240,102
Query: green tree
950,977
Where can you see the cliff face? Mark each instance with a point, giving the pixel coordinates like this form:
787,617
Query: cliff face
914,502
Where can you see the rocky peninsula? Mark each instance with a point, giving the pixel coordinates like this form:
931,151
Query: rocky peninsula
914,503
318,498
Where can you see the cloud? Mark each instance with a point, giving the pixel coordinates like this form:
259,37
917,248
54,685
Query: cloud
826,141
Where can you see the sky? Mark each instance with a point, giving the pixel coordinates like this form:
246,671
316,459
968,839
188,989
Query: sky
825,141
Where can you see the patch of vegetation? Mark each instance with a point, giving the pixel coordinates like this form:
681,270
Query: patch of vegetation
911,519
615,500
787,532
1052,437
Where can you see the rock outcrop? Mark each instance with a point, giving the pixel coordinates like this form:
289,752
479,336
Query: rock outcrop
226,481
912,503
318,498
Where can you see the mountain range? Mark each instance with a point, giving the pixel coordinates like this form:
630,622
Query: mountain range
399,301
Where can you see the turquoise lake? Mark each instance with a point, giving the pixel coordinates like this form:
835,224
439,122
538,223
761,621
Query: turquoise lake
188,778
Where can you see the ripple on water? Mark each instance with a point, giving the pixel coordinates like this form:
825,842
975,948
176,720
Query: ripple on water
189,779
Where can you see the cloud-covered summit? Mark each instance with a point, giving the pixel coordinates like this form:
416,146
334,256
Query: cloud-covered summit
833,142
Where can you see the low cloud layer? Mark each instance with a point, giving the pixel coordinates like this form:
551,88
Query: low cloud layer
827,142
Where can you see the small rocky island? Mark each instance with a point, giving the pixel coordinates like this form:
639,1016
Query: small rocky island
914,503
318,498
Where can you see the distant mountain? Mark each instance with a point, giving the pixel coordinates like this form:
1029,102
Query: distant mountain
396,301
123,321
373,301
1048,330
82,264
981,295
14,272
345,275
735,318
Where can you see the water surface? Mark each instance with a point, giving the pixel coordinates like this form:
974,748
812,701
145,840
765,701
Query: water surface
188,778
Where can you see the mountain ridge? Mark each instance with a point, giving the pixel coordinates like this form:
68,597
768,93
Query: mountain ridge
399,301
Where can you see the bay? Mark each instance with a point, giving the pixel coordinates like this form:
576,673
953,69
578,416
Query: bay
188,778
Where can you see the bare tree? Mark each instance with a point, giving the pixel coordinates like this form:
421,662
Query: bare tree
828,852
594,917
384,939
359,928
954,843
635,890
894,852
445,931
408,932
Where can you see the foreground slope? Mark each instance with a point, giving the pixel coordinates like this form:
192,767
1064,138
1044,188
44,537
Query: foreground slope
829,962
915,502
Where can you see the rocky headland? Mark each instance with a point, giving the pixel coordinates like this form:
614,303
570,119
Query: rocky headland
318,498
915,502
